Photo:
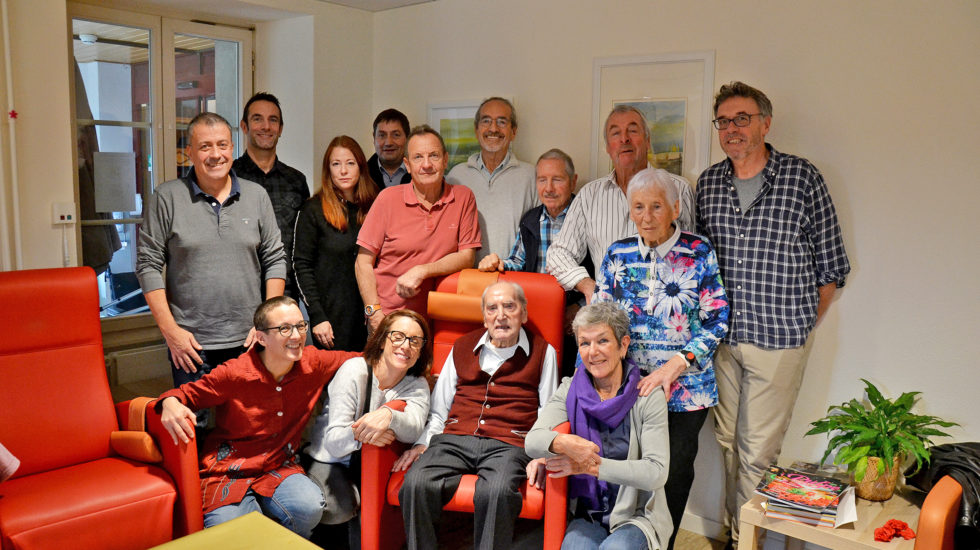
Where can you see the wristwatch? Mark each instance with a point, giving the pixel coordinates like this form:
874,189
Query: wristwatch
371,309
689,357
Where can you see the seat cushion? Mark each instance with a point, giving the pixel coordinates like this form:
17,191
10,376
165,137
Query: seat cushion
532,506
110,503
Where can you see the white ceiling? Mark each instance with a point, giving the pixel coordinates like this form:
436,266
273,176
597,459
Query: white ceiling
376,5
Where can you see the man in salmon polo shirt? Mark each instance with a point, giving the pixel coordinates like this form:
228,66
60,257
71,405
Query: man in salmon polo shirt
415,232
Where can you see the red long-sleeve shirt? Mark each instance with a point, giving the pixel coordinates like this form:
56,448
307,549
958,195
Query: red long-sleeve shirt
259,421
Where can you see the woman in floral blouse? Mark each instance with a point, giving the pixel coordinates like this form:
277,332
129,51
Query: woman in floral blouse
668,282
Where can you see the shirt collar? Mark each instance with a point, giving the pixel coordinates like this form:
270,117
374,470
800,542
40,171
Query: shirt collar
561,215
483,167
522,342
384,171
663,248
408,194
192,177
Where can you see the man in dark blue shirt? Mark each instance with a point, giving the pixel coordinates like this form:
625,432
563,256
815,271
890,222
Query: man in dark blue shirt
781,253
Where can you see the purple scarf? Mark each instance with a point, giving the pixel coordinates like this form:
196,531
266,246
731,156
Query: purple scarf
585,411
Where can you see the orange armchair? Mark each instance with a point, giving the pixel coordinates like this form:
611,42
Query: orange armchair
73,487
454,310
938,516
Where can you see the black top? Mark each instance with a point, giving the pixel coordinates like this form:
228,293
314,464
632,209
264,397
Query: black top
287,190
374,169
323,259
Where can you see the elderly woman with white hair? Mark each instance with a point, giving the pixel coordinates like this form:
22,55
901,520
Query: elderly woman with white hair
668,282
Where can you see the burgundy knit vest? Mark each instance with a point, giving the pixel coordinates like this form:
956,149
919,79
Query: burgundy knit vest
504,406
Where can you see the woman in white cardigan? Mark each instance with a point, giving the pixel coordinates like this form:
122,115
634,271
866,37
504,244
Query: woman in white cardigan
395,364
617,451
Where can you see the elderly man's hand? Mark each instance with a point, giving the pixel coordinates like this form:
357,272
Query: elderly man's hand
178,420
491,263
410,282
665,376
408,458
374,321
183,348
536,472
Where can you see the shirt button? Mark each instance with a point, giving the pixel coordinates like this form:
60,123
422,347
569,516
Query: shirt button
740,262
739,287
278,388
488,406
279,413
483,422
731,188
736,313
493,383
742,235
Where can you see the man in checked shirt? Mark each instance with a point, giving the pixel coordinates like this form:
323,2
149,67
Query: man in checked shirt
782,256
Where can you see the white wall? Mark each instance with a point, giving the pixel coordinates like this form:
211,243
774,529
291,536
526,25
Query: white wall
881,96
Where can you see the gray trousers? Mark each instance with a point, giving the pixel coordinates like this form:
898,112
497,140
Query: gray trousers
432,480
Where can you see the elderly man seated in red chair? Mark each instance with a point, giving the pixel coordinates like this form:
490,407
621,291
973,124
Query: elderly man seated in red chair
264,398
486,399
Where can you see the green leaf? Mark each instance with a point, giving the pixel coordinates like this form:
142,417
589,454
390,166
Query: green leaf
860,469
873,394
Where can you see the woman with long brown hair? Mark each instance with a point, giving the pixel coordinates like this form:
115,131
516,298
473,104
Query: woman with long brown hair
325,247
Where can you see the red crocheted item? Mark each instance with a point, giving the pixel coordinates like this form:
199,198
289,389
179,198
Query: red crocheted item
894,528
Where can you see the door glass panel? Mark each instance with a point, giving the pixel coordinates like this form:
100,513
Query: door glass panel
207,79
114,140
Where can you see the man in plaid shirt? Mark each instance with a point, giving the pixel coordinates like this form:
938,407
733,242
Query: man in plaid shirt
774,228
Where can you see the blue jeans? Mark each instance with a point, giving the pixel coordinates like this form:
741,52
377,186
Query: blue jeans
583,534
297,505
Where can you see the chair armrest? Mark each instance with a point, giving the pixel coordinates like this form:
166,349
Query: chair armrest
937,519
376,463
132,441
180,461
555,504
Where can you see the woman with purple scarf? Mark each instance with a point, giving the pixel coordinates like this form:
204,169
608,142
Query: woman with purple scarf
617,451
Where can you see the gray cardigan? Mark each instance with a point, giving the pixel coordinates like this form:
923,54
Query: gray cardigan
641,477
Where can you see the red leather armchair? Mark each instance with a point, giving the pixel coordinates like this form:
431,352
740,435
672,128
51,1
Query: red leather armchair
73,489
454,310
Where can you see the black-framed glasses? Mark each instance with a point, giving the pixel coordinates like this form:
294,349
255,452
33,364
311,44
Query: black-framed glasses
397,338
741,121
286,329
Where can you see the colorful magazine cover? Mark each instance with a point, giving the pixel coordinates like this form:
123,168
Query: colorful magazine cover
799,489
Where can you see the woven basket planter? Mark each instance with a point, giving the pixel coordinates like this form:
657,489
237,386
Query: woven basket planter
875,487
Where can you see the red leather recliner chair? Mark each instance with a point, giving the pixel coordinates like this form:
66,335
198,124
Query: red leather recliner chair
73,488
454,310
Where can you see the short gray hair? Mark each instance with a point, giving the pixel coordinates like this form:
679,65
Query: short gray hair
422,130
625,108
518,292
558,154
513,111
741,89
209,120
603,313
653,178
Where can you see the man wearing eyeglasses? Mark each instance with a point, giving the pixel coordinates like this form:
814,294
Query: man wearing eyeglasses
503,186
774,228
263,399
215,237
487,396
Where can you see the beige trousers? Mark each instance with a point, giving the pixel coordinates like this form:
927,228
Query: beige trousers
757,391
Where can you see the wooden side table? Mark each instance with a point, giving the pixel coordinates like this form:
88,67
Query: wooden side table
859,535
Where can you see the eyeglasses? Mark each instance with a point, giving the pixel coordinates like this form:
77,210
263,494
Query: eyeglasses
502,121
397,338
740,120
286,329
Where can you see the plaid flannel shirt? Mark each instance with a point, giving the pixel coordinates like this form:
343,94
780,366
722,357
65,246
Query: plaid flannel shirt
776,254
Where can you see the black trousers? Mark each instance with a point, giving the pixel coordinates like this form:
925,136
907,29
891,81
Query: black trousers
432,480
683,428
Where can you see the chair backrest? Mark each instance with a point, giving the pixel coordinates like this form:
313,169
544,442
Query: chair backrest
454,308
55,405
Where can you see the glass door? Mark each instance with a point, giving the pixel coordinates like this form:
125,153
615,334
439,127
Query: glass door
209,68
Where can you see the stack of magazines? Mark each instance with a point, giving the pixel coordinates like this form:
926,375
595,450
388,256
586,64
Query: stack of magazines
806,497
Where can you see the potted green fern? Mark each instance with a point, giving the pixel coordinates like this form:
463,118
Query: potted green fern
873,440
